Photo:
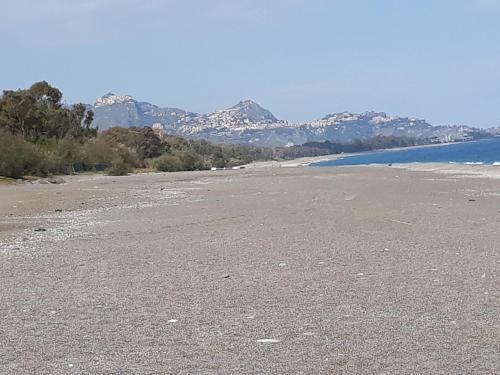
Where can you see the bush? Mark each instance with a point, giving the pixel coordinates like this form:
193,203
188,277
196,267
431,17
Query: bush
190,160
141,141
220,163
18,157
70,150
119,168
51,164
167,163
96,151
176,161
129,158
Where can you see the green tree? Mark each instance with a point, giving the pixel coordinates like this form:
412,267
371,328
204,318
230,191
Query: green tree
38,113
142,141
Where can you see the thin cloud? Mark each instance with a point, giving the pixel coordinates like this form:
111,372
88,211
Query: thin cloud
35,22
28,11
481,5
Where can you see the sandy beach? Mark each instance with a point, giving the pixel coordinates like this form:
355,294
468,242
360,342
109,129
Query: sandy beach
347,270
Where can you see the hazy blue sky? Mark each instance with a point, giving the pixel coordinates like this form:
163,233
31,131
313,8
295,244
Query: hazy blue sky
302,59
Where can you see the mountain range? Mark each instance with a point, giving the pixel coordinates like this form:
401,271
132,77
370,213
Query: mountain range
249,123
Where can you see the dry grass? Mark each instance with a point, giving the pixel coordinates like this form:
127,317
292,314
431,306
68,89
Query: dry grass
7,180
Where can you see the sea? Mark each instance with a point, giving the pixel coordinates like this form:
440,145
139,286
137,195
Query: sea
486,151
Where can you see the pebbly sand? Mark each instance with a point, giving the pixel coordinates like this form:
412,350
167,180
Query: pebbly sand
352,270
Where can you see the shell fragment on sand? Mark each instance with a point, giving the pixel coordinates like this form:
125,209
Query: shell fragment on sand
268,341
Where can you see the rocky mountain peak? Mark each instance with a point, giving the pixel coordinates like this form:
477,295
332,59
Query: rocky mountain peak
253,112
246,104
111,98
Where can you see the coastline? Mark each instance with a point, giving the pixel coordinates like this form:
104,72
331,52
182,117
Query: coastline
308,161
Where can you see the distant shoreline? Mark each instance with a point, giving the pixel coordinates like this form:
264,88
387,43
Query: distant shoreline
308,161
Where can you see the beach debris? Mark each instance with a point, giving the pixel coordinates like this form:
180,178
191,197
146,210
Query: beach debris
58,210
389,165
349,197
43,182
40,230
282,264
360,274
268,341
226,276
308,333
472,200
400,222
56,180
173,321
250,317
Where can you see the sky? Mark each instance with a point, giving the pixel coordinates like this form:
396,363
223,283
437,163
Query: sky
434,59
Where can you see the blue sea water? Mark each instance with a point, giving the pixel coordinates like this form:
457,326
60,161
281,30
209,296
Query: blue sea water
484,151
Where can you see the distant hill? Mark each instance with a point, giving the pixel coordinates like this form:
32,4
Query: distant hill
249,123
112,110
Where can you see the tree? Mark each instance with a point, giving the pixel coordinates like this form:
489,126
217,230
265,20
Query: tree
46,94
17,112
89,118
143,141
38,113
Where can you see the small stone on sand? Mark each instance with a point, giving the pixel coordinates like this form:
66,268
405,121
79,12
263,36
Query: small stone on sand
268,341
